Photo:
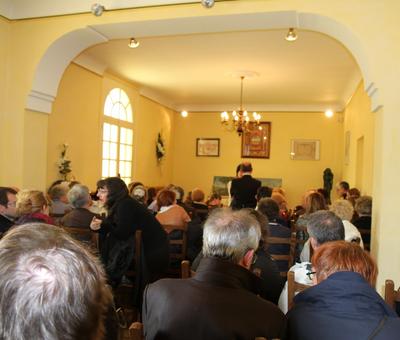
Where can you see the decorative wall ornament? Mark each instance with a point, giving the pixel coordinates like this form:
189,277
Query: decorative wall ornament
64,164
160,148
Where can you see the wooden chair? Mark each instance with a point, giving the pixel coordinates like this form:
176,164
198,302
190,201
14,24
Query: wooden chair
186,272
136,331
392,296
290,241
176,256
293,288
299,243
83,234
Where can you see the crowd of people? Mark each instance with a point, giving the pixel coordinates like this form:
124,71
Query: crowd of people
237,292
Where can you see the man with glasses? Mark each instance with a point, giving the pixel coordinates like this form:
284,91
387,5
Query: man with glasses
8,210
219,301
323,226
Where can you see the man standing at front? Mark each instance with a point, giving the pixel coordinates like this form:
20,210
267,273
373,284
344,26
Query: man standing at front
220,301
244,189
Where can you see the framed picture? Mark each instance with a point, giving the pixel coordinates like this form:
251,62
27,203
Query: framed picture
305,149
256,143
347,139
207,147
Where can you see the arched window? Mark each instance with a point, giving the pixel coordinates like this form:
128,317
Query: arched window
117,136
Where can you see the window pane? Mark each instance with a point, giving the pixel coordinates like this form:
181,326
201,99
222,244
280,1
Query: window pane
122,169
129,136
106,150
122,136
122,152
127,180
128,151
124,98
106,131
114,133
122,113
114,94
113,150
113,169
129,115
128,167
116,109
104,169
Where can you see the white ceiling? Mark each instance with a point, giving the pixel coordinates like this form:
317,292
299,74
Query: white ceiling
193,71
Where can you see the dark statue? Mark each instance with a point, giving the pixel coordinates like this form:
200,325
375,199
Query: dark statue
328,181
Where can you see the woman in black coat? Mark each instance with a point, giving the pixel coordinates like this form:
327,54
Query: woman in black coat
117,234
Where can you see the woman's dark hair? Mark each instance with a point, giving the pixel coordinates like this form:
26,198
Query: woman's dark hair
264,226
315,202
117,190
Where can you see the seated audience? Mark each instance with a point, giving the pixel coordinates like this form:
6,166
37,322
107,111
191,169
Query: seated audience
180,194
59,201
151,195
214,201
220,301
343,305
342,189
284,213
8,211
263,192
139,193
198,204
323,226
50,286
80,200
344,210
264,265
364,210
170,213
269,208
32,206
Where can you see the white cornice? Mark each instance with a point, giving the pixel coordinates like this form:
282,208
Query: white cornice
90,64
157,97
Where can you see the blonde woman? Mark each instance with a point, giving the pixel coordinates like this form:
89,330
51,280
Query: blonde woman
32,206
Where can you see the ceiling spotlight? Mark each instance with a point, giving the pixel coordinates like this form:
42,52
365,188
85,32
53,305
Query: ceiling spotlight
208,3
291,35
184,114
329,113
133,43
97,9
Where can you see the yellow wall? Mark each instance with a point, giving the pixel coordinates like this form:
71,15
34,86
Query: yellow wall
297,176
359,121
77,120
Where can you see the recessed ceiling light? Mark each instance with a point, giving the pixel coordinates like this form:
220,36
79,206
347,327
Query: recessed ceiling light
184,114
133,43
329,113
208,3
97,9
291,35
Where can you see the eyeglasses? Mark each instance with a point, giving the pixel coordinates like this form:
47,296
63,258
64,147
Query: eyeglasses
11,204
310,275
254,259
102,191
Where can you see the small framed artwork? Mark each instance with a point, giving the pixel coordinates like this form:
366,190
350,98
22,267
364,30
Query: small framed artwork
207,147
256,142
305,149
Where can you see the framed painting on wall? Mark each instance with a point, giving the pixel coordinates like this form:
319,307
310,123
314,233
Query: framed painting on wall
304,149
207,147
256,143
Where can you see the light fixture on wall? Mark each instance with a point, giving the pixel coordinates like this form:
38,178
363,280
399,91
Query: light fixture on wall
291,35
133,43
240,120
207,3
97,9
329,113
184,114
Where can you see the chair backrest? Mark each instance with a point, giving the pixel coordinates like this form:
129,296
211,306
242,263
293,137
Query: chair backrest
293,288
136,331
84,234
391,294
179,242
290,241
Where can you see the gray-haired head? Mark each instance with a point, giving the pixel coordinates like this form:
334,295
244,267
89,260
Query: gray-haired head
364,206
343,209
325,226
230,234
78,196
51,287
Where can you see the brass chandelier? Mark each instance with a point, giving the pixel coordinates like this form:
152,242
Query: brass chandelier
240,120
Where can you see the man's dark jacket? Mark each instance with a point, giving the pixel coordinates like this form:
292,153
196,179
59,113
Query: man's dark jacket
243,192
345,307
219,302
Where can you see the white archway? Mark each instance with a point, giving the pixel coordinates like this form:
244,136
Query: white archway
61,52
